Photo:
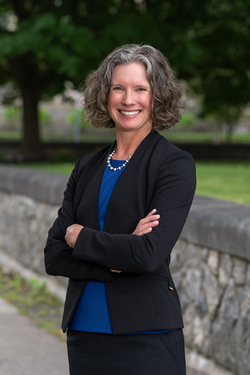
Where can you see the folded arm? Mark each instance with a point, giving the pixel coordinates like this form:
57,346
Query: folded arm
173,195
144,226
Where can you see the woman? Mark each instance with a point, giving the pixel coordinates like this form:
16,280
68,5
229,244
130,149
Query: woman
123,211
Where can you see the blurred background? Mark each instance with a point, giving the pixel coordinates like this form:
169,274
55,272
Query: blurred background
47,48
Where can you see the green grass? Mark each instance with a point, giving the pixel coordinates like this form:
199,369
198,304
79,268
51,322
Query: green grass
229,181
63,168
225,180
33,300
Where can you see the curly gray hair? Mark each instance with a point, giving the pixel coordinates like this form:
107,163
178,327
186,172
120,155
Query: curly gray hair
165,89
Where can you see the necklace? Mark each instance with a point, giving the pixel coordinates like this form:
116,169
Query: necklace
119,168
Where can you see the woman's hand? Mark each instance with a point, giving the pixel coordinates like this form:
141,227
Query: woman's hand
146,224
72,233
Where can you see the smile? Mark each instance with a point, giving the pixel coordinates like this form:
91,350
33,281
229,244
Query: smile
129,113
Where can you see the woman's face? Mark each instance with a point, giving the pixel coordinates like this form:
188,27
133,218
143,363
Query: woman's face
129,98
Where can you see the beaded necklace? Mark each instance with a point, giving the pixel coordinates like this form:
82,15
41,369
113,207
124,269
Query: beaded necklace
119,168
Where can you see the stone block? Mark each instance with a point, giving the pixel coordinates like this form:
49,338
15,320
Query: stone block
229,309
193,283
198,333
201,305
212,290
204,254
178,255
239,271
185,299
225,269
188,316
213,262
193,255
206,325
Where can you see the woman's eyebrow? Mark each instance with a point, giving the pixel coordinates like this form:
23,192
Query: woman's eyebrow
136,86
143,86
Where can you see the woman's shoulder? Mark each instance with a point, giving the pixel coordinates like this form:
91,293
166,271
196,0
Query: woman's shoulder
85,163
170,159
93,156
165,149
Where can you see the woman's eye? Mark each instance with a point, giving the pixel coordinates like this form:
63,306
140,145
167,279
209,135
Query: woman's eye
117,88
141,89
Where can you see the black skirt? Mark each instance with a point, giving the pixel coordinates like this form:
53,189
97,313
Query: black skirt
143,354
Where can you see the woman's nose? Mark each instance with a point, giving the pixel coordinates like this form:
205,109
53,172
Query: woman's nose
128,97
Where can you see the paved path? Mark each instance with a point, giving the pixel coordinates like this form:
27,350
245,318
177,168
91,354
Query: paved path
26,349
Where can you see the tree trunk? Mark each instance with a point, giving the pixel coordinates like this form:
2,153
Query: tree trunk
31,149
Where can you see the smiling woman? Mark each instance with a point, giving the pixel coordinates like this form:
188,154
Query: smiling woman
123,211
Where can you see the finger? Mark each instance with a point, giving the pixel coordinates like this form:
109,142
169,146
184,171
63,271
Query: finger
152,212
146,228
149,219
147,225
145,231
141,227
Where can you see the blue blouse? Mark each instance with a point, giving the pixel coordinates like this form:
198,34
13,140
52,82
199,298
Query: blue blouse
92,313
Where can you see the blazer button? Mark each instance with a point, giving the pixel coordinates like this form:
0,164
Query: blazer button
169,287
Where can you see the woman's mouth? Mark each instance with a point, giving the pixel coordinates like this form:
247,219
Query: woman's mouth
129,113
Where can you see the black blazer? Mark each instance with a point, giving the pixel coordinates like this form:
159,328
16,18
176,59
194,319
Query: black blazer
143,297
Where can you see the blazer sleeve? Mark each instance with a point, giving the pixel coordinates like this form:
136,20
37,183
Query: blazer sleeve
173,194
58,255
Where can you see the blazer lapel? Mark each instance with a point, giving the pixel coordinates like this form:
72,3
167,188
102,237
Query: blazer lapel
125,186
86,197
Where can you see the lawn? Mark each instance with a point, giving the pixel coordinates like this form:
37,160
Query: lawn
230,181
225,180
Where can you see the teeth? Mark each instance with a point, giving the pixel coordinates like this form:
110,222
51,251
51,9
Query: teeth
130,112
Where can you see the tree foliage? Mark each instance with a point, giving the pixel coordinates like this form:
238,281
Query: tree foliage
45,43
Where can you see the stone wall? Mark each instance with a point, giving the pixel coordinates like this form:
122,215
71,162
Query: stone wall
214,290
210,264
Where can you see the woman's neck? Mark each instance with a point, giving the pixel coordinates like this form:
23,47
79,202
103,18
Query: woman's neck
127,143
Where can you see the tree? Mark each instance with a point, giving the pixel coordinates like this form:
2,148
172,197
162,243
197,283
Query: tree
213,55
48,45
207,43
45,43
